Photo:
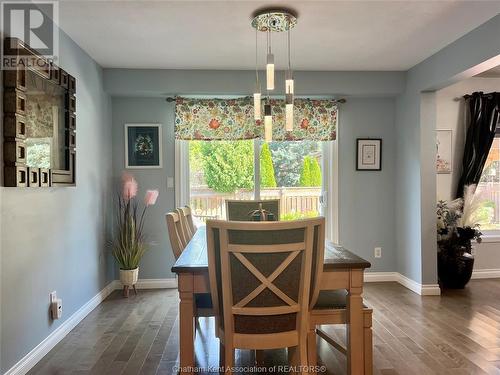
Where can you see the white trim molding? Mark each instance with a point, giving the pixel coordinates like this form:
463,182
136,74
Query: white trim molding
489,237
181,173
36,354
155,284
376,277
486,274
421,289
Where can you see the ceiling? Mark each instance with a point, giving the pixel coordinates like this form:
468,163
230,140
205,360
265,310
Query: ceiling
492,73
330,35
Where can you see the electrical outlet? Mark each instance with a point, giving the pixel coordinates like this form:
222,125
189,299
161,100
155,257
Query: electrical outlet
53,296
378,252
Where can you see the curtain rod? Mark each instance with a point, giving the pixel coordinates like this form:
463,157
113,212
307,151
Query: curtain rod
171,99
468,96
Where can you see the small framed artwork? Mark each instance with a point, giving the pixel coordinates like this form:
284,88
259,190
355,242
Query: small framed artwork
444,153
143,146
369,154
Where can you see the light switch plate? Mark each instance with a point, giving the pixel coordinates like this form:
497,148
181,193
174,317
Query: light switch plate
170,182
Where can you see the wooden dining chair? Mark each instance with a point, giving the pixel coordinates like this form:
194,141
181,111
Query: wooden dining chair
176,233
260,276
187,223
330,307
238,210
202,301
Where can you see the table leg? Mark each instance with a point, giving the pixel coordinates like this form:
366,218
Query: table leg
186,324
355,326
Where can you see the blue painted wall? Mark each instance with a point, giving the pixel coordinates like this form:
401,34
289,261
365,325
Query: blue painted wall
366,199
158,259
54,239
475,52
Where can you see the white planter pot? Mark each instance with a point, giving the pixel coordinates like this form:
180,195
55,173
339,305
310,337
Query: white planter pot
129,277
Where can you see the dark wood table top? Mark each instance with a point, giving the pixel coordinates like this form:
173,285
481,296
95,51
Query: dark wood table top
194,257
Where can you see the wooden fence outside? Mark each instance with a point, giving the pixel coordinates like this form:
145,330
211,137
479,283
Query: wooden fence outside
208,204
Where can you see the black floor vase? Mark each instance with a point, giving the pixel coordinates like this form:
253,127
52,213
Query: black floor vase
455,274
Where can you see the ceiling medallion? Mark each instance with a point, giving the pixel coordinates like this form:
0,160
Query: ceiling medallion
275,20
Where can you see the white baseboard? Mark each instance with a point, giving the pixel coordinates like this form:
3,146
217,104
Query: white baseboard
35,355
424,289
486,274
421,289
374,277
155,284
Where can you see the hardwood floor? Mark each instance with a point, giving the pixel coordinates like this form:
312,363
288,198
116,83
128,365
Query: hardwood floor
457,333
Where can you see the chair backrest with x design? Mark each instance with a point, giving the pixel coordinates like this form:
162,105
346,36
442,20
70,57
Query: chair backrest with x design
260,279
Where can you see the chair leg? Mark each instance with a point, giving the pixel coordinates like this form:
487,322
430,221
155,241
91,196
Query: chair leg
228,359
259,357
297,358
312,352
368,350
222,361
293,358
303,357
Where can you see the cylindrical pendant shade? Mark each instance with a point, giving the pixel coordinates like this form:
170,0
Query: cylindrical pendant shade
289,117
268,123
256,105
289,82
270,72
268,128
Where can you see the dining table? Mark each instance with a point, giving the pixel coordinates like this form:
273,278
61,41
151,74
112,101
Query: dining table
342,269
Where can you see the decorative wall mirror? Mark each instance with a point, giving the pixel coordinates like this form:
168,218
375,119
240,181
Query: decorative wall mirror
39,121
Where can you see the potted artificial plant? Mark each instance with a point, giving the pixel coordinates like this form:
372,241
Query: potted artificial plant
457,227
129,245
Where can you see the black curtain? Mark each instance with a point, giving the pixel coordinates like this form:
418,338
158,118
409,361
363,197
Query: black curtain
484,118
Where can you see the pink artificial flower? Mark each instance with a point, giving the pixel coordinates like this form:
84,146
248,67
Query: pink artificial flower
126,177
129,186
150,197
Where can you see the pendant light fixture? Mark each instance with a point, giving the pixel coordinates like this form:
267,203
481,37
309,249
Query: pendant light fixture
257,95
289,90
269,63
269,21
268,122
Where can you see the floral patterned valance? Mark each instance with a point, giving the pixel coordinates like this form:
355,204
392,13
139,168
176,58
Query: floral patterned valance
233,119
313,120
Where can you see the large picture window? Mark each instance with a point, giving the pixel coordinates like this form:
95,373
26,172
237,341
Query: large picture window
489,189
289,171
221,155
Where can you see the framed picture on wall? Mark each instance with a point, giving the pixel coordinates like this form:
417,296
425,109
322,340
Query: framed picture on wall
143,146
369,154
444,153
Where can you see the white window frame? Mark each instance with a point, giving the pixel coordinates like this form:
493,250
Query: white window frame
493,235
181,173
330,169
